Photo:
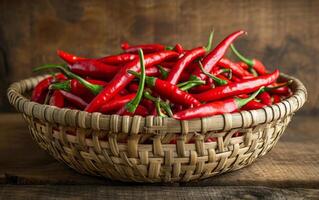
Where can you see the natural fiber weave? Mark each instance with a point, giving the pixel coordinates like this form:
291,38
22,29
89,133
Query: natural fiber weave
136,148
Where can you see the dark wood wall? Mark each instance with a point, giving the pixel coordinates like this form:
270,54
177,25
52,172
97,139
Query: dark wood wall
282,33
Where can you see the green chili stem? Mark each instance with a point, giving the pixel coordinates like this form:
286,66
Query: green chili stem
132,105
61,86
163,104
210,41
229,71
278,86
158,108
95,89
216,79
242,102
148,79
169,48
163,72
249,62
190,85
197,82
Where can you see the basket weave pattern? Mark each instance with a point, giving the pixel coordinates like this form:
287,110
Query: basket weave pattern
137,149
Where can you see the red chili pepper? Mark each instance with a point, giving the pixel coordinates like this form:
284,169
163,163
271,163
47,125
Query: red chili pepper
122,78
76,87
242,87
111,60
42,88
69,58
236,69
148,104
140,110
57,99
169,91
276,98
168,64
147,48
215,55
189,57
214,108
285,91
75,100
94,69
153,71
243,65
253,105
265,98
236,79
179,48
202,88
253,63
116,103
175,73
133,87
222,77
94,88
118,59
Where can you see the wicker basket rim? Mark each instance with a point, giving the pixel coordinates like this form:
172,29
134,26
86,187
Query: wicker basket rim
152,124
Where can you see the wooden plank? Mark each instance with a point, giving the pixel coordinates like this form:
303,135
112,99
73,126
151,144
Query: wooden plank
282,33
292,163
151,192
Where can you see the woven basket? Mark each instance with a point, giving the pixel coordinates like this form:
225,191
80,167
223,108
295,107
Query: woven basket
137,149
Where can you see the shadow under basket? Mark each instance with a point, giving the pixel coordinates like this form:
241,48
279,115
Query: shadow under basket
138,149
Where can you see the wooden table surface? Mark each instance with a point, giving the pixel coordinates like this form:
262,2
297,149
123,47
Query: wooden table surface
290,170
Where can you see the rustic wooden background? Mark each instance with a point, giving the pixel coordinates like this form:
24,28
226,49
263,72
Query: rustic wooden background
281,33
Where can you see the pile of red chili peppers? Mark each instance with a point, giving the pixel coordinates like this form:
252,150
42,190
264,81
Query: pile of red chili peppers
167,81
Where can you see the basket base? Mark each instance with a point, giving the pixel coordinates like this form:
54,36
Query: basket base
98,157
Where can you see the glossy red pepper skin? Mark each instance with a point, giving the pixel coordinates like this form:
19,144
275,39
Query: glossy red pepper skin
116,103
276,98
57,99
253,105
285,91
228,105
94,69
168,64
110,60
236,69
122,78
209,109
42,88
147,48
175,73
74,100
211,60
118,59
173,93
179,48
259,67
69,58
237,88
140,110
236,79
202,88
152,71
80,90
243,65
265,98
